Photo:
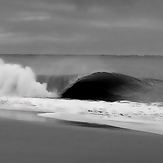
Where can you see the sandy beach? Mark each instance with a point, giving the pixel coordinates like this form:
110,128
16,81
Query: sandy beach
69,143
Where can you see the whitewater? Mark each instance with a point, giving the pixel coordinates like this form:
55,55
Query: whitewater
124,114
20,91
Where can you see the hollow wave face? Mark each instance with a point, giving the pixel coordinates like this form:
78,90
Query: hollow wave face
114,87
16,80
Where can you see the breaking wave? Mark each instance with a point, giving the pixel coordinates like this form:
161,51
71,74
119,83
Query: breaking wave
115,87
105,86
16,80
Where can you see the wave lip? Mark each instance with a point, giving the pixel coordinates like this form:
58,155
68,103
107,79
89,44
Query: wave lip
106,86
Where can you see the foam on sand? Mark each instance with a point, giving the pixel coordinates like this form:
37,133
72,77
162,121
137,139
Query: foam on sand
126,123
124,114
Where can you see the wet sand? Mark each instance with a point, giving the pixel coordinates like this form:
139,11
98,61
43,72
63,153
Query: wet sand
56,142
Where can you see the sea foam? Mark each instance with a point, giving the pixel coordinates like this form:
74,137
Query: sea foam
16,80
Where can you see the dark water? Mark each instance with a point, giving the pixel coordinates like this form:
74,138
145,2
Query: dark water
109,87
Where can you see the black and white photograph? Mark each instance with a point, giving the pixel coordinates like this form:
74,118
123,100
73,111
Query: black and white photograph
81,81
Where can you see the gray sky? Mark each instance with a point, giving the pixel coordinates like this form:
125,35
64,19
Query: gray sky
81,26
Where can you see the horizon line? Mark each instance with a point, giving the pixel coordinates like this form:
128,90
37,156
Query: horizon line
113,55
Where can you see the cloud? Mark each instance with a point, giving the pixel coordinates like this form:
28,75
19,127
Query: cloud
127,23
31,16
80,26
20,38
59,7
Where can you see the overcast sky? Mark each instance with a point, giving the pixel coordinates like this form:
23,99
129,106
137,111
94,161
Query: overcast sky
81,26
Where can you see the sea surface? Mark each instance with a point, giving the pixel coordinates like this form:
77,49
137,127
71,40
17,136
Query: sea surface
137,66
28,81
61,71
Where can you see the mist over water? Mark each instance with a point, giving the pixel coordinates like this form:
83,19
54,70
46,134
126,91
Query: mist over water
16,80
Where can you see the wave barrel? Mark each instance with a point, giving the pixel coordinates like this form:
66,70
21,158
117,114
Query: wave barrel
104,86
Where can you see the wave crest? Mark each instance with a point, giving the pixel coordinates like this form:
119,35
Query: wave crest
114,87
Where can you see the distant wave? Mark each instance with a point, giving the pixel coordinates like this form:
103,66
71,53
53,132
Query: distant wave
114,87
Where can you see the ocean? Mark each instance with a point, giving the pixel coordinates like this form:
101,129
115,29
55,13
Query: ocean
137,66
60,71
66,108
77,88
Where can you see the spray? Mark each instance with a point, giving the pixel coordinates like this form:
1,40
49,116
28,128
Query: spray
16,80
